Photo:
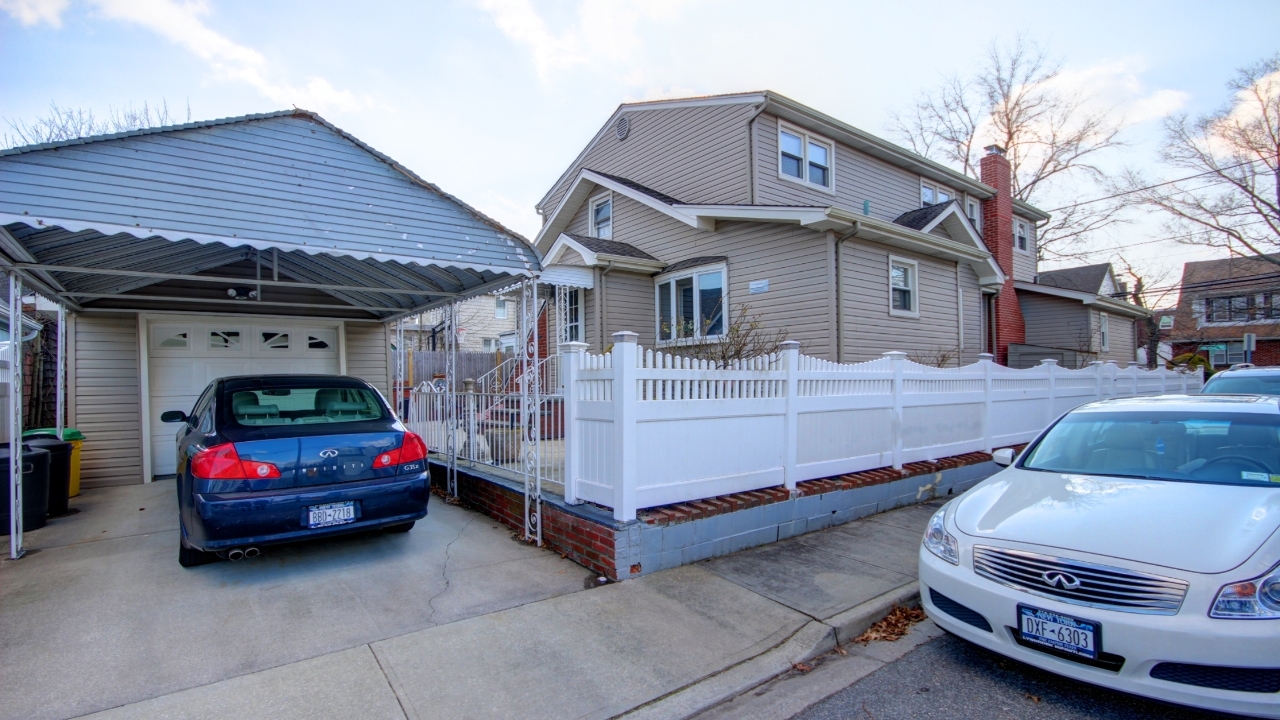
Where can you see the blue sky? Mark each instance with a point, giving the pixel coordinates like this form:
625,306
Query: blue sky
491,99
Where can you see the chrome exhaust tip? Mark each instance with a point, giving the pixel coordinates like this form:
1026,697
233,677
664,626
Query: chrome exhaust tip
235,554
251,552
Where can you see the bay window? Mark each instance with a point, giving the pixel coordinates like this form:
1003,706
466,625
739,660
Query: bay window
691,305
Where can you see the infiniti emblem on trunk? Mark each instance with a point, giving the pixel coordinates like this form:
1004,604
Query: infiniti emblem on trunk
328,453
1066,581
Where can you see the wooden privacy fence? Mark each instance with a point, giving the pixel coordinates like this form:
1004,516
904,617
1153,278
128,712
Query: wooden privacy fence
644,429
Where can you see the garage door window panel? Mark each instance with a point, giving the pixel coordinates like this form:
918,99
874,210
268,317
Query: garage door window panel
272,340
225,340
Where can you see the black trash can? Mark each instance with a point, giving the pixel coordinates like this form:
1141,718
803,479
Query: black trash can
35,488
59,471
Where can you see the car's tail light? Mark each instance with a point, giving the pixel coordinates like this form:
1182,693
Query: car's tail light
389,458
222,462
412,449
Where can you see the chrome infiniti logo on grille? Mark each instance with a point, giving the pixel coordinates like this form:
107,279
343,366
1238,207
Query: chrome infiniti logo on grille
1066,581
328,453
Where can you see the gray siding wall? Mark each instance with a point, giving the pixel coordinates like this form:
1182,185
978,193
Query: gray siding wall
629,299
694,154
869,329
972,314
892,191
368,347
1024,263
106,398
1057,322
1120,343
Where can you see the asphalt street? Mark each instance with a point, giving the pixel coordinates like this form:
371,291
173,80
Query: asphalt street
950,679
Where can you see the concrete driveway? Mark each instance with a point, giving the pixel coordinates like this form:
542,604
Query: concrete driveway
100,614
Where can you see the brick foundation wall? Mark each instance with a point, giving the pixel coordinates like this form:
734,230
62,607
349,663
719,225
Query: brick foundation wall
684,533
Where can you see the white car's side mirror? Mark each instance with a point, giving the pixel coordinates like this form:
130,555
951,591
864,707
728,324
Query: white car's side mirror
1003,457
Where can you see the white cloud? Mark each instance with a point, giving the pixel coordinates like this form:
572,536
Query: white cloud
604,30
32,12
183,24
1117,85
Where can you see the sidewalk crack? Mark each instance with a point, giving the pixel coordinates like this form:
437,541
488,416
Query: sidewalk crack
444,572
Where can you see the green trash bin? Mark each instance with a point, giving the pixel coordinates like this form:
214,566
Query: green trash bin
73,436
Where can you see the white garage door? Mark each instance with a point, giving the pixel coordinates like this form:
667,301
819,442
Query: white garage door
184,357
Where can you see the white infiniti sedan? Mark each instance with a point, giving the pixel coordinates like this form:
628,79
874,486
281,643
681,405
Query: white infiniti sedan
1133,545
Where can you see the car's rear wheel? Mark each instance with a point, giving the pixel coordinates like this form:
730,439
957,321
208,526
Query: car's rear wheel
191,557
403,527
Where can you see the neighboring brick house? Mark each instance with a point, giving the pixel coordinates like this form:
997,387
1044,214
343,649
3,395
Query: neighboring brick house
679,212
1075,316
1220,301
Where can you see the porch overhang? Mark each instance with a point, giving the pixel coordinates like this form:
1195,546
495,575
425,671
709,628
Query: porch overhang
1100,302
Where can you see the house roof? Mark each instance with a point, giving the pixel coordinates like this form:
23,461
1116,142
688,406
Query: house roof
695,262
660,197
287,180
1086,278
920,219
610,247
1208,276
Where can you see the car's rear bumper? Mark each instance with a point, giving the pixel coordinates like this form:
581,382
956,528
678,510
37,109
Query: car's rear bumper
229,520
1144,641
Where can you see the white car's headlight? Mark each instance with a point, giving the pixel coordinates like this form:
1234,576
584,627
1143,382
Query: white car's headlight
942,543
1256,599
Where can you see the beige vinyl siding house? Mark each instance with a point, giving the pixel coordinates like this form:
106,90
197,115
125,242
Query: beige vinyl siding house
1056,322
1024,261
1120,337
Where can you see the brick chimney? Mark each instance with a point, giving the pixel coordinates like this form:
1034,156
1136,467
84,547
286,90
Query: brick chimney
997,233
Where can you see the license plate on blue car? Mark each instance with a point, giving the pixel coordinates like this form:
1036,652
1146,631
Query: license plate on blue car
1060,632
338,513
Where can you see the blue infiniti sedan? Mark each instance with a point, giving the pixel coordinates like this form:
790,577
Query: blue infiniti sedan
276,458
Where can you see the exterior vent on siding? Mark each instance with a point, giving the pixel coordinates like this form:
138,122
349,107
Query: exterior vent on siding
622,127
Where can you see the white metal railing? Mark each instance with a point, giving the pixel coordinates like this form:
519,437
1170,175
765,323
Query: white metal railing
643,429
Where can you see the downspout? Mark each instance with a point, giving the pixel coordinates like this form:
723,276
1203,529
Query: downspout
604,304
839,285
751,154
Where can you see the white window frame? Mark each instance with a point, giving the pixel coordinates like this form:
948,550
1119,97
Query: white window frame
806,138
694,272
596,202
573,297
1104,331
914,312
976,218
501,311
1021,224
936,188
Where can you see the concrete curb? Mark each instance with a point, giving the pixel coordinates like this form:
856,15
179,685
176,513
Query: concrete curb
813,639
853,622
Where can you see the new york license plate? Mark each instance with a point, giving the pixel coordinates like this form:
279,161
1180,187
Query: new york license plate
1060,632
331,514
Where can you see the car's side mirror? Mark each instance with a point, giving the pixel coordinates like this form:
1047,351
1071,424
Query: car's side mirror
1003,457
169,416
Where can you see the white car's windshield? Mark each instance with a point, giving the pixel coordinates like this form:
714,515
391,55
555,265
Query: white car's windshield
1243,385
1231,448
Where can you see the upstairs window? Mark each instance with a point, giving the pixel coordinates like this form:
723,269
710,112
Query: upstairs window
691,305
804,157
972,210
1104,331
934,195
903,293
500,309
1020,233
602,218
1242,308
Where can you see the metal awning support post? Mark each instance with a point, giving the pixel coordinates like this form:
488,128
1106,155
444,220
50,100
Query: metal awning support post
62,369
397,383
531,409
15,417
451,394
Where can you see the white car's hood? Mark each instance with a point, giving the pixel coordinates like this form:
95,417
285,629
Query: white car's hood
1196,527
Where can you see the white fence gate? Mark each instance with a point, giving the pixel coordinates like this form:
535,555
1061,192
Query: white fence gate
644,429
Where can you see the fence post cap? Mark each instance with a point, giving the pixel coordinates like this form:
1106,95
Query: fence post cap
789,344
469,385
1133,363
1049,361
1096,363
573,347
986,357
895,355
625,336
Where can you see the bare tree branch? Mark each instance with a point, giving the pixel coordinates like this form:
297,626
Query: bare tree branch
63,123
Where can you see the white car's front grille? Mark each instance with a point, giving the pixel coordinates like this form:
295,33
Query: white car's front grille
1079,582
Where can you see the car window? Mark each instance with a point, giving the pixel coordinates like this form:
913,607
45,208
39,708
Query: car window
201,407
1243,385
1228,448
303,405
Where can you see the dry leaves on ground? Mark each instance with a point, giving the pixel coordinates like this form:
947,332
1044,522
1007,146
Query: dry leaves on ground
896,624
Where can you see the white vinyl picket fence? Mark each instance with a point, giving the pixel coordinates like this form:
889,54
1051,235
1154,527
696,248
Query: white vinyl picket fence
644,429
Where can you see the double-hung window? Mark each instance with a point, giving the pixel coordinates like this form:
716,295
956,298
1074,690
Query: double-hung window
804,157
602,217
1104,331
904,294
691,305
974,216
1020,231
934,195
573,315
500,309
